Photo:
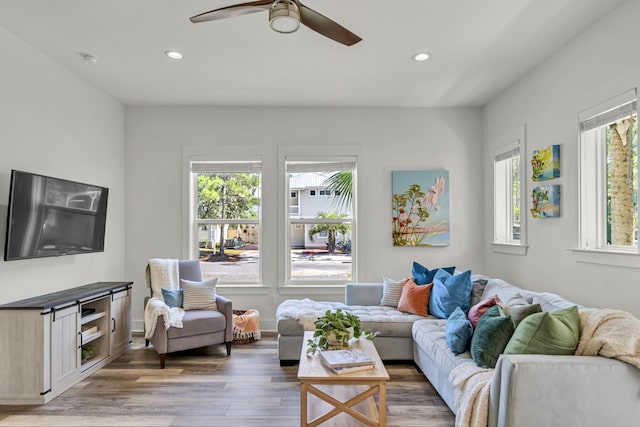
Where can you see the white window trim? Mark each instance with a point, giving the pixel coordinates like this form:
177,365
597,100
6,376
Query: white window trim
223,153
514,139
592,246
311,153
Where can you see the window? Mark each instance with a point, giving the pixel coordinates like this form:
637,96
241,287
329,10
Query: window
320,236
226,205
509,225
609,175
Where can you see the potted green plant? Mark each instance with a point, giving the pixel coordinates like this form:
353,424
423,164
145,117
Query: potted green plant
334,329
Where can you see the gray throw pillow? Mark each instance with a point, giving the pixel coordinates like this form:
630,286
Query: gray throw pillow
519,312
477,290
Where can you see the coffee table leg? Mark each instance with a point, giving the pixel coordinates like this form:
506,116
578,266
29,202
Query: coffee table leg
303,404
382,410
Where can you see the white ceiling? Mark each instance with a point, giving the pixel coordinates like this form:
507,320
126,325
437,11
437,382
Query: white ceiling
478,49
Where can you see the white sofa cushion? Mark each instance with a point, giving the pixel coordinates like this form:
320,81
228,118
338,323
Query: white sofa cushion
429,335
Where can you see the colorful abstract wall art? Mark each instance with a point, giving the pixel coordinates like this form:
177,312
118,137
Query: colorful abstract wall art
420,208
545,163
545,201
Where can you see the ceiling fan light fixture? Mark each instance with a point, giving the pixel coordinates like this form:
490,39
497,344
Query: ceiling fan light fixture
284,16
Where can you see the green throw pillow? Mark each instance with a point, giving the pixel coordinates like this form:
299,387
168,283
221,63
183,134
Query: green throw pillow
555,332
490,337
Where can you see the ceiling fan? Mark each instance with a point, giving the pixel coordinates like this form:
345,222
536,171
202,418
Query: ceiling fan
285,16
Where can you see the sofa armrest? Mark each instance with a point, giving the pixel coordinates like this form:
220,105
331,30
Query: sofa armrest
540,390
225,307
363,293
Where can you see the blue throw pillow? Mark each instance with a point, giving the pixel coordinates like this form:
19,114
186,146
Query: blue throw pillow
458,331
172,297
450,292
422,275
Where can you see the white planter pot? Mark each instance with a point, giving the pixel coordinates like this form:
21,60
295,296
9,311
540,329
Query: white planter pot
333,341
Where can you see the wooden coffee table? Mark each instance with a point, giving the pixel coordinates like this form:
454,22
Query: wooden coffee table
342,400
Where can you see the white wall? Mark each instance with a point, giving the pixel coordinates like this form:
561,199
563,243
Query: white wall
597,65
394,139
54,123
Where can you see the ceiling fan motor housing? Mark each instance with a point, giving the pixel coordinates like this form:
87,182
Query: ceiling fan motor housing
284,16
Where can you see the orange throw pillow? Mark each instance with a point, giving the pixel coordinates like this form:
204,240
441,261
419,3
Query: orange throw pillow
415,298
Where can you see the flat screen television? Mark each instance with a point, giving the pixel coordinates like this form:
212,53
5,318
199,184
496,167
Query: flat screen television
53,217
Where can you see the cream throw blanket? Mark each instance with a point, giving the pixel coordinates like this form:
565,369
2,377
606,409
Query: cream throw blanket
305,311
610,333
163,273
471,391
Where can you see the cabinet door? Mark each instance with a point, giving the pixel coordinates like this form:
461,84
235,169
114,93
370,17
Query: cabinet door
65,355
120,320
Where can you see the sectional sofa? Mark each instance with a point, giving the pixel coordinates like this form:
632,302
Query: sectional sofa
526,390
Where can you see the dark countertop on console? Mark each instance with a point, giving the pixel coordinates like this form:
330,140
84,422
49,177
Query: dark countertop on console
73,295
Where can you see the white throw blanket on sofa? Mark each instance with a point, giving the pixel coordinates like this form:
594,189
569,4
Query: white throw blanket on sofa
610,333
305,311
163,273
471,384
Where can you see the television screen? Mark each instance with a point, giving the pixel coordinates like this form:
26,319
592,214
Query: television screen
53,217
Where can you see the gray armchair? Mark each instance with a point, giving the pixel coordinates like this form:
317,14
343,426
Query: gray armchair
200,327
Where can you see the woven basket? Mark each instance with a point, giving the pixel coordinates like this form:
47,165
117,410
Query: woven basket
240,337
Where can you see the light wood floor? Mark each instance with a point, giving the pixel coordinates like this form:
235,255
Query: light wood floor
205,388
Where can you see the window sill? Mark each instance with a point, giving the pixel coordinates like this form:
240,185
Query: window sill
509,248
602,257
311,290
243,289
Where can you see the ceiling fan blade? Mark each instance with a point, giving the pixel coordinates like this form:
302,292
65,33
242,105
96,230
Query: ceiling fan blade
325,26
233,10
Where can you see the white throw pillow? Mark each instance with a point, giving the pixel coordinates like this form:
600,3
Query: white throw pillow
391,291
199,295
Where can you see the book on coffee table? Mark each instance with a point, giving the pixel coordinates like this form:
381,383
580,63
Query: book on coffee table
350,369
345,358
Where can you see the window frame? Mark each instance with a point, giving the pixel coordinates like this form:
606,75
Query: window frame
510,143
190,226
592,182
313,154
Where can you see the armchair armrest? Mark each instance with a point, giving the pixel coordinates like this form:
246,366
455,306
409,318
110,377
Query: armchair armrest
534,390
225,307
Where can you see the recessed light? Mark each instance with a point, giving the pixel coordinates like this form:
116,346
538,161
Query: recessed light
173,54
421,56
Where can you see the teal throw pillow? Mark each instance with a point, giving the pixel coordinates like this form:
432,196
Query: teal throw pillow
422,275
450,291
491,337
172,297
555,332
458,331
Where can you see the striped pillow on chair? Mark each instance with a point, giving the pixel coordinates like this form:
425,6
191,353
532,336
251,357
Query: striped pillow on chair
199,295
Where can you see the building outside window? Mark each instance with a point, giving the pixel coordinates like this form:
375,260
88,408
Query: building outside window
320,243
609,175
